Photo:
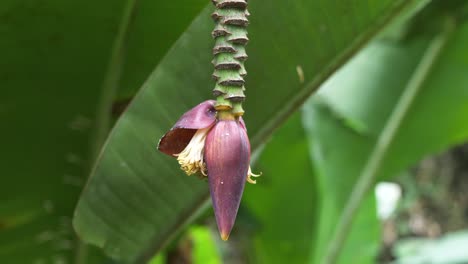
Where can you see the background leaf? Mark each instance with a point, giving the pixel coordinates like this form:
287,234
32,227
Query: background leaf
137,198
434,122
54,57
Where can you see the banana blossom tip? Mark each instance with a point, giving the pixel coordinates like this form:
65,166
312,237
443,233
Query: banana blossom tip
218,149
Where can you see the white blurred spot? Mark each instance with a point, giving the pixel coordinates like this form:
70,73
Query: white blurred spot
300,73
388,194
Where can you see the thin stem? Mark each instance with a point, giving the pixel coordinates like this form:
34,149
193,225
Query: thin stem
374,163
230,34
108,90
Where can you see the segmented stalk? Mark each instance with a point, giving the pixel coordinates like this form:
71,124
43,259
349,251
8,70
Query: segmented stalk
230,34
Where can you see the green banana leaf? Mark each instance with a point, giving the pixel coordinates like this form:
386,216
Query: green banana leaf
349,113
137,199
54,56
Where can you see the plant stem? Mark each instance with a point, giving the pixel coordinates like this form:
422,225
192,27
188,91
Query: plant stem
230,34
108,90
370,171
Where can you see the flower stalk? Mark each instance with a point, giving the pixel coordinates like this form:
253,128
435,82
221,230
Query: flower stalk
230,34
211,138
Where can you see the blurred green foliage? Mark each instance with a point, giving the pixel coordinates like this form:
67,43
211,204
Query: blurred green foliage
54,60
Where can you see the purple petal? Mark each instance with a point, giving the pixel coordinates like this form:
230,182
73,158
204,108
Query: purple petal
176,139
201,116
227,157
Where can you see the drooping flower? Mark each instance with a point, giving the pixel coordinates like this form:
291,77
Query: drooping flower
215,147
186,139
